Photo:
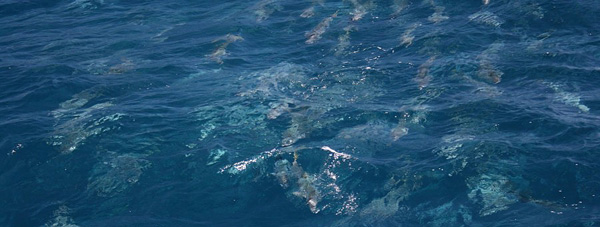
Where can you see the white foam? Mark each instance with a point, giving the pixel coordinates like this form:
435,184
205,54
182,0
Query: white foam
336,154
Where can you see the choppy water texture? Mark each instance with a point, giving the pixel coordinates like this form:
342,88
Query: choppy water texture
299,113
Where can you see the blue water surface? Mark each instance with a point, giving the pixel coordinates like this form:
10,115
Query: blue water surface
299,113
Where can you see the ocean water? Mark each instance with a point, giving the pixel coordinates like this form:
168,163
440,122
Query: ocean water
299,113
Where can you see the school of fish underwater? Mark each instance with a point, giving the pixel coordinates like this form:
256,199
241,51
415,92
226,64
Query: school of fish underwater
300,113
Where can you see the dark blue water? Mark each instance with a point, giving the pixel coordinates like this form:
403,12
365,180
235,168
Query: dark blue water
299,113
